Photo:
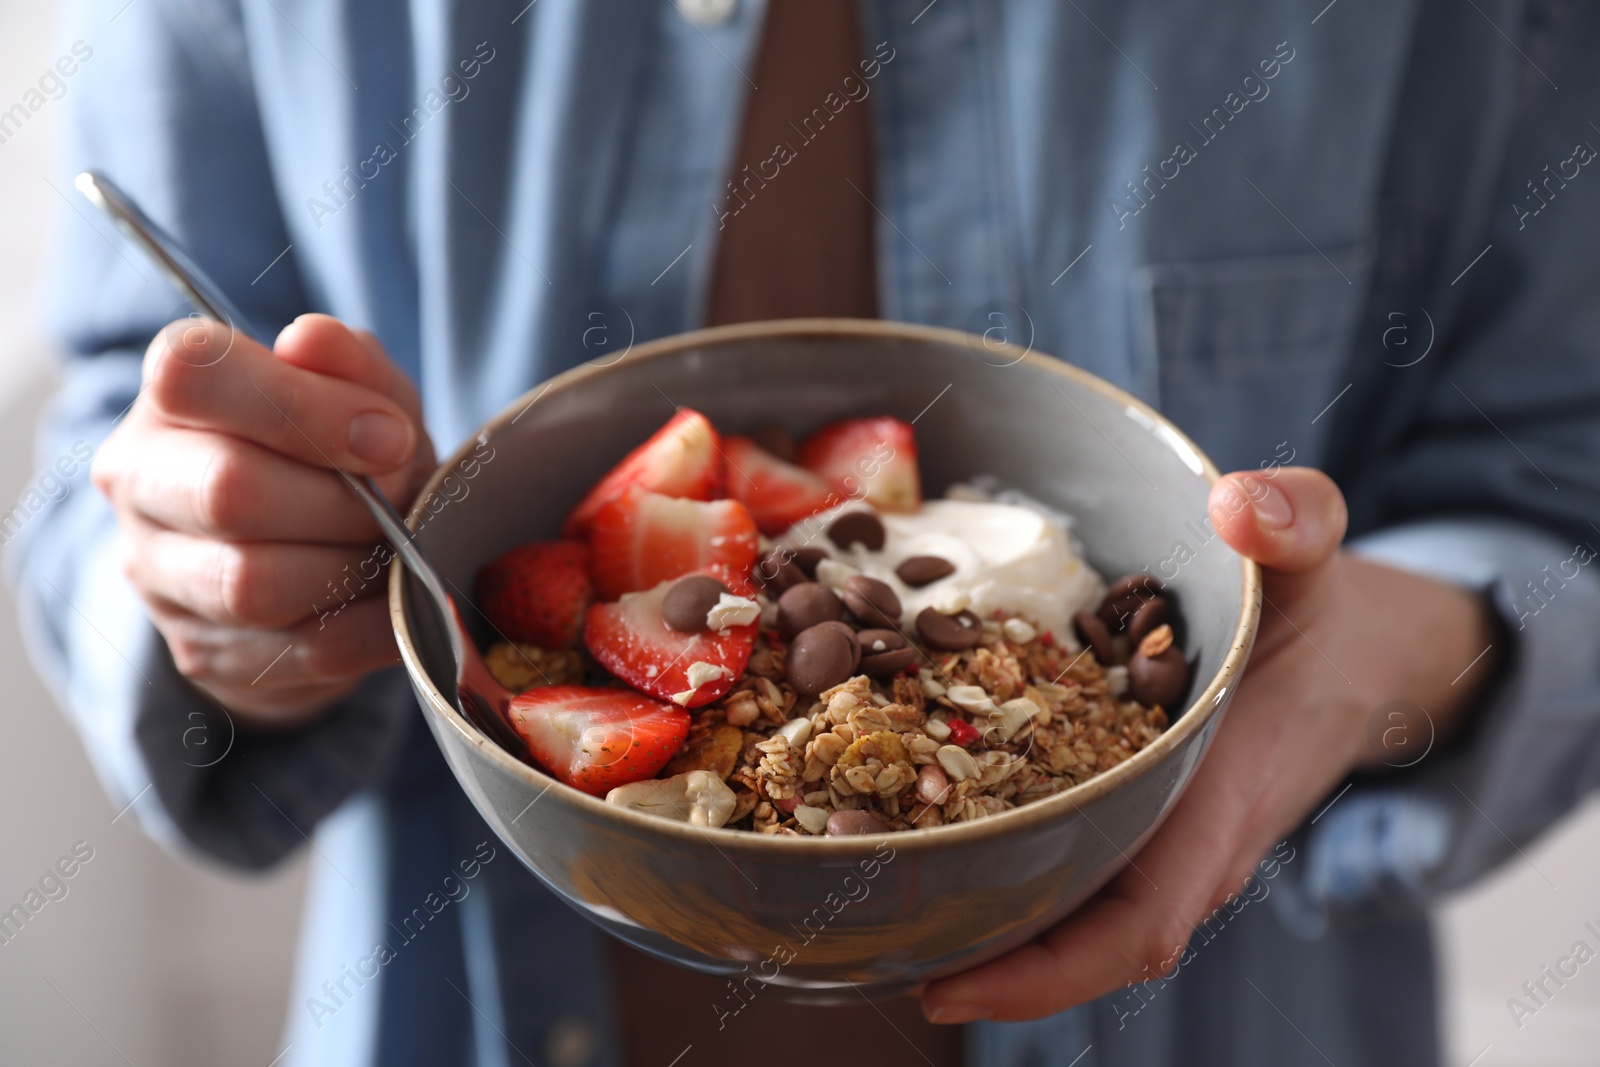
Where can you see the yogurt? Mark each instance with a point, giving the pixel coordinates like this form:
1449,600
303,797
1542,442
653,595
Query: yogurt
1008,557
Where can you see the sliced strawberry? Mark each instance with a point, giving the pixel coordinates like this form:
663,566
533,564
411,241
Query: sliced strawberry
537,592
778,494
642,538
879,453
597,739
682,459
630,640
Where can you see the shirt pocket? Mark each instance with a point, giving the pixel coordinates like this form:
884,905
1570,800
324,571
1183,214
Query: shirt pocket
1245,355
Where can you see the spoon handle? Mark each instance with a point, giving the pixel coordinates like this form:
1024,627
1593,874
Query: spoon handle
188,277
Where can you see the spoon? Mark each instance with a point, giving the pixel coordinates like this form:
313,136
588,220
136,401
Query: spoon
483,700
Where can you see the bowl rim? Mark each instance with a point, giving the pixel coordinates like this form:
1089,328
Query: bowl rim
1195,717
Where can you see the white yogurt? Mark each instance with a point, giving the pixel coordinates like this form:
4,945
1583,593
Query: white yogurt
1008,557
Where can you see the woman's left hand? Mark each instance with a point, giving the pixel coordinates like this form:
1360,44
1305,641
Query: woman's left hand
1339,637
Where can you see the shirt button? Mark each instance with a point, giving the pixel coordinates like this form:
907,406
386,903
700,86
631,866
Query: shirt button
570,1043
708,12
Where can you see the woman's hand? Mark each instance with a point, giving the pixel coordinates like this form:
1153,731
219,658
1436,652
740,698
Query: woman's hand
254,559
1339,637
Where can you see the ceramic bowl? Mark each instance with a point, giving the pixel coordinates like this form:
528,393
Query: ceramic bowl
881,912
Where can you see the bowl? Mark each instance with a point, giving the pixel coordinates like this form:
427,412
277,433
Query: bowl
817,915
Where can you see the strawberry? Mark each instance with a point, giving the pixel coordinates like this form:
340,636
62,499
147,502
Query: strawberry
681,459
642,538
630,639
877,453
778,494
537,592
597,739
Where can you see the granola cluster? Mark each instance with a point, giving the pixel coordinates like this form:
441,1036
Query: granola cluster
955,737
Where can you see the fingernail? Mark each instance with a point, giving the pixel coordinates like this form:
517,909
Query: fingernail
378,437
951,1014
1272,507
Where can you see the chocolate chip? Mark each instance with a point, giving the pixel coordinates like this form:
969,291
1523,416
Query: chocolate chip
841,823
919,571
871,601
949,633
776,571
808,558
885,664
685,606
874,641
1125,597
821,657
1093,634
1152,614
1154,680
775,439
844,628
857,527
884,652
1138,582
803,606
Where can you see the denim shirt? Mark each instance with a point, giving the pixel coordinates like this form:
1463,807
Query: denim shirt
1360,237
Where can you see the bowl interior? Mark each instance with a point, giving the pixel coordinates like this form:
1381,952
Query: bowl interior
1136,488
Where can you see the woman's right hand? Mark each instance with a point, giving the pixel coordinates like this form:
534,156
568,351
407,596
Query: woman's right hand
259,567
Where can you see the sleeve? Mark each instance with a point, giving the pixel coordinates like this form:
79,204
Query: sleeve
1494,487
162,102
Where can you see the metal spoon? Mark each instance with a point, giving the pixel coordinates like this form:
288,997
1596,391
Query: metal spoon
483,700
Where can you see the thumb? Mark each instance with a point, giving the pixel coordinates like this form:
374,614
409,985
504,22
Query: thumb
1291,520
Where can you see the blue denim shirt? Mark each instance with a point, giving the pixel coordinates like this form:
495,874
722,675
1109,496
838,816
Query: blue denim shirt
1361,236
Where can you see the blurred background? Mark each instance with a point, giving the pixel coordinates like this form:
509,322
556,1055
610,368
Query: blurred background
152,959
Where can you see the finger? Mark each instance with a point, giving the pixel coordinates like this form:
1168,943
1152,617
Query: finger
1291,521
324,345
201,375
259,667
1127,933
217,486
266,585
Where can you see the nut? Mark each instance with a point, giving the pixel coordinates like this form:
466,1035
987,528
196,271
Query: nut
958,763
732,610
1012,716
932,784
971,698
1156,641
815,820
1019,630
741,708
699,798
797,731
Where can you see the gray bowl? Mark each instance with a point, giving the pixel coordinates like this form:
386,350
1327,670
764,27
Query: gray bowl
882,912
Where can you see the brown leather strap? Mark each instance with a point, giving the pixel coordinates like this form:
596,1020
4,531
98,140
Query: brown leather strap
796,239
